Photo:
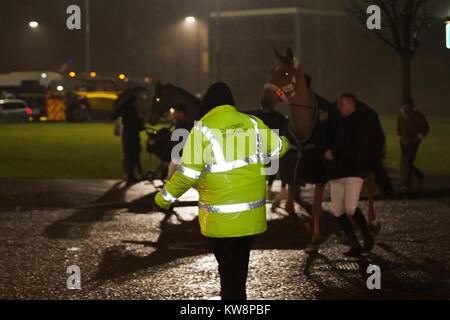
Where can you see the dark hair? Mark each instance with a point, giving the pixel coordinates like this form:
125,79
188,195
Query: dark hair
408,101
218,94
349,96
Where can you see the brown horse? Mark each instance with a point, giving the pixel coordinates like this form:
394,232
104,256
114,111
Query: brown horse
288,84
167,96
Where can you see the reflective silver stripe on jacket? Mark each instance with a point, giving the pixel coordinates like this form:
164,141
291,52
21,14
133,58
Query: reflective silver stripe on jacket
228,166
167,196
218,153
277,151
223,166
258,136
231,208
190,173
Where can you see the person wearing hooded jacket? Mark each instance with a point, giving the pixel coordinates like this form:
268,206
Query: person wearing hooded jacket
231,183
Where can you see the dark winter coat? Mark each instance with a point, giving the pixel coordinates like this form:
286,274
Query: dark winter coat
351,147
409,126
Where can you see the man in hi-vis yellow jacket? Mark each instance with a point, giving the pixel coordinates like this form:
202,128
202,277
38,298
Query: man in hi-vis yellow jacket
224,156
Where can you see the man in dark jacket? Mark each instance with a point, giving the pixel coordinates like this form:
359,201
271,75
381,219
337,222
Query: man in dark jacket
412,127
131,143
348,165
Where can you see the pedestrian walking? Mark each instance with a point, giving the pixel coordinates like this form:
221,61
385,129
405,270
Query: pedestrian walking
412,128
132,124
230,181
348,167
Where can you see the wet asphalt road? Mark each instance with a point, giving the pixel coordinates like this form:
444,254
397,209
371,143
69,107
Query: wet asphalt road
126,251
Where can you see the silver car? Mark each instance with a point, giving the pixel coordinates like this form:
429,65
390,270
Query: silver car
12,110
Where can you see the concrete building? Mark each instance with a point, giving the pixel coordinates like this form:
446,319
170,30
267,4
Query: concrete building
340,55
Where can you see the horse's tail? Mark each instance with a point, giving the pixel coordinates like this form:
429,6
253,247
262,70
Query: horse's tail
383,182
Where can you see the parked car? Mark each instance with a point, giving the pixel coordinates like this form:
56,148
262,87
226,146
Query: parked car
90,99
14,110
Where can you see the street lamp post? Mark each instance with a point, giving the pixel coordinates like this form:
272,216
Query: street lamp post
193,22
447,32
87,34
217,44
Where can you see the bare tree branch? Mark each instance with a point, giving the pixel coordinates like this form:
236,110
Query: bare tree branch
404,20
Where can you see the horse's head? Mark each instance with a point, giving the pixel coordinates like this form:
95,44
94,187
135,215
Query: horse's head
143,102
288,84
160,103
282,80
168,96
140,96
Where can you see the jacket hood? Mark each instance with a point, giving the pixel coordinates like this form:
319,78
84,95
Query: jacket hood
218,94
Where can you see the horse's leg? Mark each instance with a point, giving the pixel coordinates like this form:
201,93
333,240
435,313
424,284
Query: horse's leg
293,190
269,192
290,208
298,194
317,210
277,201
313,246
374,225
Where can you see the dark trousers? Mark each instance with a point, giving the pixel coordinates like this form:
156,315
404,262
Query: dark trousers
233,255
131,145
409,152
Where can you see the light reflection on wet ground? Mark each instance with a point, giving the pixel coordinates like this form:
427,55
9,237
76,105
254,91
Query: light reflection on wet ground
125,251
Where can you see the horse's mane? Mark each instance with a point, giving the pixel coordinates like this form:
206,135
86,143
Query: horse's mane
191,97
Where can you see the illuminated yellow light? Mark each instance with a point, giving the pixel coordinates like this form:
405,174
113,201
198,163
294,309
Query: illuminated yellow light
43,119
122,76
93,74
158,99
72,74
172,110
96,95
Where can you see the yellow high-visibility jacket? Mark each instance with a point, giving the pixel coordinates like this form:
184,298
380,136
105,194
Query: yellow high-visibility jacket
224,156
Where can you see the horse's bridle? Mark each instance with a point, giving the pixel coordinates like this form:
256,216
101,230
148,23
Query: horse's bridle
286,92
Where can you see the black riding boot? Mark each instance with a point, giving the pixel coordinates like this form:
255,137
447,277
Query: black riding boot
346,226
368,239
